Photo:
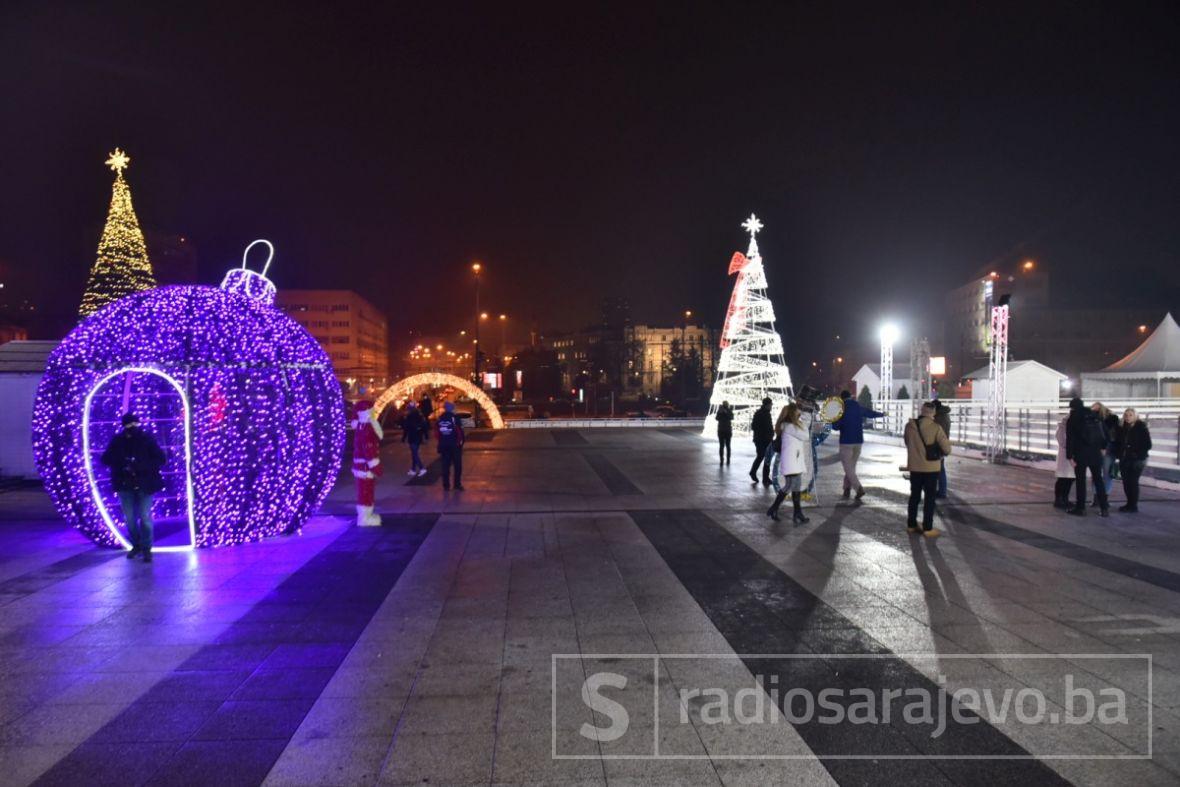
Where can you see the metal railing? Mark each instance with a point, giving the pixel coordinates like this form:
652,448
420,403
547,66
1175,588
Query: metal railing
1031,427
592,423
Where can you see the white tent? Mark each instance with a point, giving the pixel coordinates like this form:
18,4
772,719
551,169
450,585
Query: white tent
1028,381
870,375
1151,370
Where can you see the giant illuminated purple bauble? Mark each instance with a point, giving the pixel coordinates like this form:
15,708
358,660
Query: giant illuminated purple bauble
242,398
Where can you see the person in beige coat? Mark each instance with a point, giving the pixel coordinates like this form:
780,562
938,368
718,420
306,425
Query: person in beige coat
922,435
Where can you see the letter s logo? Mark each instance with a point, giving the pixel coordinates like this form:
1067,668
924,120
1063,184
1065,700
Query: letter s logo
619,718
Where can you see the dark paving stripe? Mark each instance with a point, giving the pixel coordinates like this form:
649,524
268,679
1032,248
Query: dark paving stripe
616,482
239,700
964,514
568,437
759,609
43,577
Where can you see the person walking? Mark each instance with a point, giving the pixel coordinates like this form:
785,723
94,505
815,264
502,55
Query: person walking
1132,444
852,437
135,460
762,428
793,441
1110,423
1064,471
724,431
1085,440
942,417
415,431
926,446
450,446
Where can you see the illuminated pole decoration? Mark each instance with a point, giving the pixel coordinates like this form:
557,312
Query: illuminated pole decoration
752,365
122,266
243,400
996,421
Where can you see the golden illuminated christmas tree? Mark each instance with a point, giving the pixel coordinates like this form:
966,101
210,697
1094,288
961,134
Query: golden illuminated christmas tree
122,266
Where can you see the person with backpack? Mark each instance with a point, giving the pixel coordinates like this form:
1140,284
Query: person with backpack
1132,444
1085,442
450,446
926,446
762,429
415,431
724,431
135,460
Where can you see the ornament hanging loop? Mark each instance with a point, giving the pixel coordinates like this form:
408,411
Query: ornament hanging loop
270,253
246,282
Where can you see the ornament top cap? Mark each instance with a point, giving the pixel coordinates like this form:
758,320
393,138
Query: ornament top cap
251,283
118,161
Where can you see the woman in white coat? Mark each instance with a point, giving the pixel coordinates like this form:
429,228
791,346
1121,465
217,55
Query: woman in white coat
793,445
1065,470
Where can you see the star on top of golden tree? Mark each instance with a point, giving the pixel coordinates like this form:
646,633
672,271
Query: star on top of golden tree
118,161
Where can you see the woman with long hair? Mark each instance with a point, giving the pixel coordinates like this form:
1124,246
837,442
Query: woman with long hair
792,441
1110,422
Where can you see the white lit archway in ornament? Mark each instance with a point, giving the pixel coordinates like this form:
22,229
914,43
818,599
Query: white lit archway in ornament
403,389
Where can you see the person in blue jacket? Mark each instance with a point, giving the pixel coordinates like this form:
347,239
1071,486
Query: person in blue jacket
852,437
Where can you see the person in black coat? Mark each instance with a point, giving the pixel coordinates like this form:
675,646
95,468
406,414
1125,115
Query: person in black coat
763,431
1085,442
415,431
1132,444
724,431
135,460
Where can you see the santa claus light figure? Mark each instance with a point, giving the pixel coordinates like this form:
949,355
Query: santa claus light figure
366,462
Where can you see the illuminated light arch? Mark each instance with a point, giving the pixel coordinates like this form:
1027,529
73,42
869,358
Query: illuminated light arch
88,461
402,389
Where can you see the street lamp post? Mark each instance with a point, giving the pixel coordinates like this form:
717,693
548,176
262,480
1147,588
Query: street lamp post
503,329
889,335
476,268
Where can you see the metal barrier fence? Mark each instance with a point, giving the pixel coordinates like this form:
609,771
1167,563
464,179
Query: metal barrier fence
1031,427
598,423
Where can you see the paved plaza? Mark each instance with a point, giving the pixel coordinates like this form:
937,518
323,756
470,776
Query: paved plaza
605,606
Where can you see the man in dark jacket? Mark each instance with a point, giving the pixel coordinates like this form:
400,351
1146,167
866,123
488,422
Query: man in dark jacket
724,431
1085,441
851,426
414,433
942,417
763,431
135,459
450,446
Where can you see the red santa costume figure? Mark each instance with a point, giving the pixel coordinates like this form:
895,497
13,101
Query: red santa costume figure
366,462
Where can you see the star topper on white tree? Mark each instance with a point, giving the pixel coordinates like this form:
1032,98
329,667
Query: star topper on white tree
752,366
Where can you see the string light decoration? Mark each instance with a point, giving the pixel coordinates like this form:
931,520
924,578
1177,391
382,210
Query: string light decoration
243,400
122,266
397,393
752,365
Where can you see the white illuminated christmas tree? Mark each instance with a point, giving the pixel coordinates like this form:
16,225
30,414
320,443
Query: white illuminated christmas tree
752,365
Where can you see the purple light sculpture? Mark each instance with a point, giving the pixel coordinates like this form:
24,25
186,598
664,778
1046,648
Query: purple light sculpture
241,397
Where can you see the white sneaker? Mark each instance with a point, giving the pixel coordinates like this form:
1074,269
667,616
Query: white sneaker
422,472
411,472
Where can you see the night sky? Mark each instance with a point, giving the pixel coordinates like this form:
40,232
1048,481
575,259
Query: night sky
584,152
